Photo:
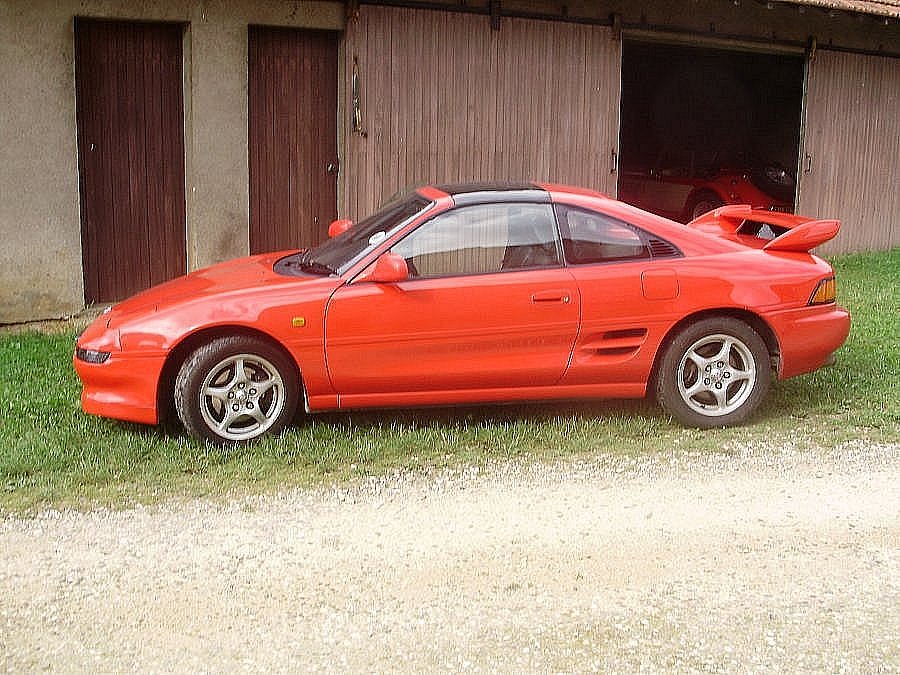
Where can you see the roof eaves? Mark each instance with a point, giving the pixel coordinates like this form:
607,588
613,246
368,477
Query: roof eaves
886,8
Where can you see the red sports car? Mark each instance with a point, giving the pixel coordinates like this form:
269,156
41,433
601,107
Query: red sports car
477,293
684,195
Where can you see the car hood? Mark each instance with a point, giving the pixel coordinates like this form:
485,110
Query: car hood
233,276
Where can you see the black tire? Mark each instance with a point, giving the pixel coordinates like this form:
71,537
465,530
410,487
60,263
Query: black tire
235,390
714,373
703,203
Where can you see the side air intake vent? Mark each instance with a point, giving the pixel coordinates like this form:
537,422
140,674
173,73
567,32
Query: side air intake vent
663,249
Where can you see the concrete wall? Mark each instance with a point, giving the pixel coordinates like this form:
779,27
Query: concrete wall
40,256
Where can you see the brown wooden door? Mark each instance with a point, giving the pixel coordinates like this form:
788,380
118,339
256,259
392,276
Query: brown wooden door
293,136
848,167
456,101
130,117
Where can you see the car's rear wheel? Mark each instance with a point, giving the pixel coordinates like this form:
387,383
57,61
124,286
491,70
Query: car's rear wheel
236,389
714,373
703,203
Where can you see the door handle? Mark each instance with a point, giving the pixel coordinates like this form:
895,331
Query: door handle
563,297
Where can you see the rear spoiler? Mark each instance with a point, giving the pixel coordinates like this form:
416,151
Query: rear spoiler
781,231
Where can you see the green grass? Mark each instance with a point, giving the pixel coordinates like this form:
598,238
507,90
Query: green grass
53,455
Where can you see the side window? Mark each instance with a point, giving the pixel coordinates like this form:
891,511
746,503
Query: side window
590,237
482,239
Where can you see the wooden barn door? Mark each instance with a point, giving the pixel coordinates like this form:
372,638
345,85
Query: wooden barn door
130,119
293,136
441,97
848,167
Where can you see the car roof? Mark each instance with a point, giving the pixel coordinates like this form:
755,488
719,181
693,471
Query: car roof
488,192
689,240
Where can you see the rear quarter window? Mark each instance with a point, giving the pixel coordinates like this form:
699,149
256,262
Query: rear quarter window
591,237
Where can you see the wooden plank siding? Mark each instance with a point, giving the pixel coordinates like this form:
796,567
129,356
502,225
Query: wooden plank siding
130,121
446,99
851,149
292,90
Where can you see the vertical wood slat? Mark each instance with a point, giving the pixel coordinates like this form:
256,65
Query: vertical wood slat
292,93
447,99
853,142
129,110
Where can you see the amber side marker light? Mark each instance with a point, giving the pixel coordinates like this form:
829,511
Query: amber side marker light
825,292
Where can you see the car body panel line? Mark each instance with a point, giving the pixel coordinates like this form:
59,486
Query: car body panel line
491,395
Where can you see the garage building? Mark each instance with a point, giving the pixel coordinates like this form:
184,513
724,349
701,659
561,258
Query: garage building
145,139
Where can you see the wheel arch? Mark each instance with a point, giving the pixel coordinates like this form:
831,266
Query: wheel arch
165,400
756,322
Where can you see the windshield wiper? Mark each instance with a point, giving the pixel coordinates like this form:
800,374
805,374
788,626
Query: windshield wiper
314,266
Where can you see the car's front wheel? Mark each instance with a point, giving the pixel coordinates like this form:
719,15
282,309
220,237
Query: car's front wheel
236,389
714,373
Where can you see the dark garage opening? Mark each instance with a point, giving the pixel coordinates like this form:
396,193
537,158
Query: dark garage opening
703,127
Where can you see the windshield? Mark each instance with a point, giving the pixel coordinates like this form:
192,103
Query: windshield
338,254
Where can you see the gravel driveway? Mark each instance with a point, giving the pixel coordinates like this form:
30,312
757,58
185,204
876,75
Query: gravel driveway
760,559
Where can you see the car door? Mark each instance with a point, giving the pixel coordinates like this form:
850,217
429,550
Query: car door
628,285
487,305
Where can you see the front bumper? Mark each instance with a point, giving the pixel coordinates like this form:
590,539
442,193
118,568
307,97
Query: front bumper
123,387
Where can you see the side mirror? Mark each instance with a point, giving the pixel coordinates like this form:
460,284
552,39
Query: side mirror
388,269
339,227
